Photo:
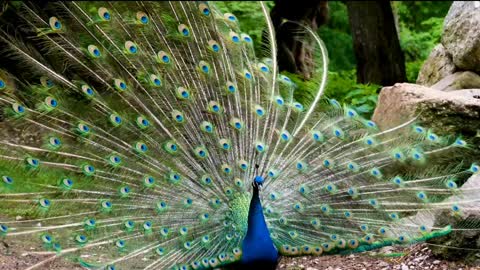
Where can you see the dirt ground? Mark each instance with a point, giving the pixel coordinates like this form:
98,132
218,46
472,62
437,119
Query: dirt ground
416,257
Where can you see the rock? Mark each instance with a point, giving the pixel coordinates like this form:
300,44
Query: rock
458,80
460,34
456,112
383,264
438,65
404,267
461,237
451,114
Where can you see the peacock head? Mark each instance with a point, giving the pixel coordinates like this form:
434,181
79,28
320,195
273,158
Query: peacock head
258,181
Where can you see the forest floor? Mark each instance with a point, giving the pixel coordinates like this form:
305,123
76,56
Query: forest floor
416,257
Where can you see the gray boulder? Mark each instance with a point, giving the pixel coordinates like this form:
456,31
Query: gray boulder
438,65
461,34
448,112
451,113
458,80
465,234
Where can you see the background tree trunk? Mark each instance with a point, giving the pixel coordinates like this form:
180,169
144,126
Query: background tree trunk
380,59
295,56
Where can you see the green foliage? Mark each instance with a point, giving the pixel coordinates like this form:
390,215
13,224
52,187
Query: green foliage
418,45
250,17
337,38
420,25
341,86
413,14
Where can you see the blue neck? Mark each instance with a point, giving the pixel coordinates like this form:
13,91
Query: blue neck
257,247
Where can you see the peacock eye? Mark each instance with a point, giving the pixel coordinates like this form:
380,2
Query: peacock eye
94,51
104,14
46,238
224,144
230,17
155,80
247,74
279,101
351,113
226,169
120,85
285,135
243,165
475,168
207,127
46,82
141,147
234,37
115,119
148,181
259,111
55,24
67,182
163,57
88,170
124,190
182,93
236,124
247,39
142,17
106,204
213,46
419,129
201,152
263,68
184,30
32,162
87,90
231,87
3,85
54,142
260,147
131,47
204,67
142,122
7,180
45,203
51,102
178,116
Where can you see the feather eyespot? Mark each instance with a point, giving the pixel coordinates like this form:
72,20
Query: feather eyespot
155,80
184,30
234,37
55,24
142,18
104,14
120,85
131,47
213,46
163,58
94,51
204,9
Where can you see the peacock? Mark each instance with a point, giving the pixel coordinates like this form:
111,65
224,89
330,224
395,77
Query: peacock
148,135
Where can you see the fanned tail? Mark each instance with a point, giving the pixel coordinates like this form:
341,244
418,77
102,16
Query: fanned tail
149,120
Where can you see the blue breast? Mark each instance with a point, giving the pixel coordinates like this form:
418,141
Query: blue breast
257,246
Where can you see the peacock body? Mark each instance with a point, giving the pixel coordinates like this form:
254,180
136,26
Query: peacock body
163,142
